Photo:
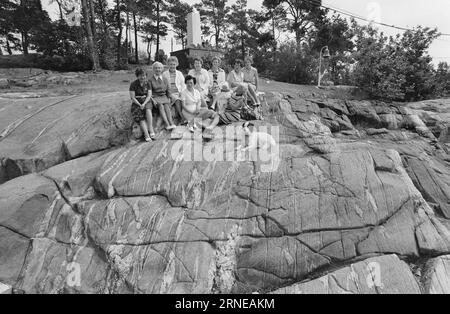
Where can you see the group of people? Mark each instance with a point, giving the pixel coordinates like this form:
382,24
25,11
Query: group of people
202,99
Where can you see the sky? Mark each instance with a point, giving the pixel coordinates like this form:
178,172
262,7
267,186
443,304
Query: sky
403,13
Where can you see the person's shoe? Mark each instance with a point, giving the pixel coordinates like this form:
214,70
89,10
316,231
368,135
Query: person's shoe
152,136
191,128
208,134
148,139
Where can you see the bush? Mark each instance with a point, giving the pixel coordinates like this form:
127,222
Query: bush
442,80
72,63
294,67
394,68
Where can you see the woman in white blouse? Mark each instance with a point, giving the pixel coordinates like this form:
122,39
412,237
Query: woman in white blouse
194,108
177,85
218,86
201,76
236,79
216,74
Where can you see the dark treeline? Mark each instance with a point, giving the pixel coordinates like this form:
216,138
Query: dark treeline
284,38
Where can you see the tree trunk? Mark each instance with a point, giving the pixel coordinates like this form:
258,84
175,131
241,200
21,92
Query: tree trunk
217,37
127,26
90,39
119,36
94,30
149,52
158,24
136,52
274,32
103,17
242,44
298,39
104,36
25,43
8,47
61,15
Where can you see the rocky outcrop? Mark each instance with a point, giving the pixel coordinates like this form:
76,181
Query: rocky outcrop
36,134
436,276
379,275
348,202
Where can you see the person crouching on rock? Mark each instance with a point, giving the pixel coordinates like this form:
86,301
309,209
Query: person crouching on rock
140,94
234,106
177,85
160,93
195,108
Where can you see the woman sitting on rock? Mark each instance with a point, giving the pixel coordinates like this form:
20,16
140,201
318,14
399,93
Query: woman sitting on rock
201,77
161,97
218,85
236,79
195,109
177,85
250,74
140,94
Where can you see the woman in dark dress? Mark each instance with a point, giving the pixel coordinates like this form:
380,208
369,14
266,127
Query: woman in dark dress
140,94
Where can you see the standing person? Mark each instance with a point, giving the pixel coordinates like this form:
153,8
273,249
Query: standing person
236,79
194,107
177,85
140,94
201,76
161,95
250,74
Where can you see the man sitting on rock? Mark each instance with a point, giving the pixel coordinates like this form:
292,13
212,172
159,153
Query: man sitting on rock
140,94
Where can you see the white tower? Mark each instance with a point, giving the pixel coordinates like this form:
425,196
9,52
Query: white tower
194,30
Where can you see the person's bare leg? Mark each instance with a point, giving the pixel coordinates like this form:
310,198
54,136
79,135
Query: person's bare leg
169,114
149,115
180,110
252,94
214,105
162,112
144,129
214,123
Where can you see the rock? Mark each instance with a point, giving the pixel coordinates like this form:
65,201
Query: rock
5,289
59,129
432,178
75,178
23,203
13,251
363,114
183,215
379,275
4,83
437,276
376,131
